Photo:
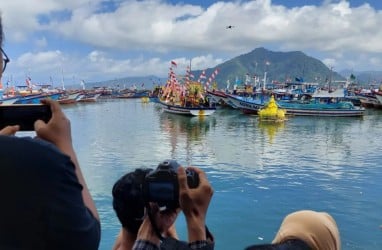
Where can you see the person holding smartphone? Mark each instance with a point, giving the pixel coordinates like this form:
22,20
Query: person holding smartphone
46,203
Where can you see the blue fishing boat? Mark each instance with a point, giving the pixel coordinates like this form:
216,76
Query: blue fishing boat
36,98
247,104
322,103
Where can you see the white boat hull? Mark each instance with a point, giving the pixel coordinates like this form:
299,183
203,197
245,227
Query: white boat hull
194,111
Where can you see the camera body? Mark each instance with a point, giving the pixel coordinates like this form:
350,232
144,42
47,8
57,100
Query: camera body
161,185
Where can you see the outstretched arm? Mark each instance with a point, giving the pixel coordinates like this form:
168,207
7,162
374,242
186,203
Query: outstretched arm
58,132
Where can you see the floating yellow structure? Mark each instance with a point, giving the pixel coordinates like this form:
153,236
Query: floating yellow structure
271,112
145,99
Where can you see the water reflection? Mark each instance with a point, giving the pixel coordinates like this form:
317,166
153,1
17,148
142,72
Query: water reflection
270,128
193,128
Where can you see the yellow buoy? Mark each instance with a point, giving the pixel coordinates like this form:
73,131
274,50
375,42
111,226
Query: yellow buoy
145,99
271,112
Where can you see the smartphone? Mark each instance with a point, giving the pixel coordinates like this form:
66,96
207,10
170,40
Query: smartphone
24,115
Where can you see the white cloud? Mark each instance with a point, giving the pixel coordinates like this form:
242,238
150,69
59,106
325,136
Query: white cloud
149,31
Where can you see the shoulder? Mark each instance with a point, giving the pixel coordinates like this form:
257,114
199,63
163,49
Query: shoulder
12,143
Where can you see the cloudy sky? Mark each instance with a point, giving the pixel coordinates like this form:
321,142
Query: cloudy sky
94,40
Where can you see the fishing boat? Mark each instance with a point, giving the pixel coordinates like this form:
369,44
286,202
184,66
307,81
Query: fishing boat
247,104
69,98
322,103
88,97
185,98
7,99
36,98
218,97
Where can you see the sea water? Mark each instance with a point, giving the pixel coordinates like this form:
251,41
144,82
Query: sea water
259,172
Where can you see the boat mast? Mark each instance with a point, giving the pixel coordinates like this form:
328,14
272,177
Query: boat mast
62,80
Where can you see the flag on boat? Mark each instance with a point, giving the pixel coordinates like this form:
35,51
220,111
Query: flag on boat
174,63
212,77
28,81
202,76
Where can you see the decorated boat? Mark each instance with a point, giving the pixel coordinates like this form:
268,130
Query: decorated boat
185,98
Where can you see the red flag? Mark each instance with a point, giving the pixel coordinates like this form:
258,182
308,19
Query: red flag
173,63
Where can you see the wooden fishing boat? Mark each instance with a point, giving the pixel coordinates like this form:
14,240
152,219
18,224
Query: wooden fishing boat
186,98
322,103
88,97
183,110
69,98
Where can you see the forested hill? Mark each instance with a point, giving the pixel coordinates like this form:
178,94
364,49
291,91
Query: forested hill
279,66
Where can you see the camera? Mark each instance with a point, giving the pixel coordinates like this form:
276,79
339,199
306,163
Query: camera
161,185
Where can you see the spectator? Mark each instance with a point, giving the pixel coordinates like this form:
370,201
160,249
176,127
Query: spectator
46,203
303,230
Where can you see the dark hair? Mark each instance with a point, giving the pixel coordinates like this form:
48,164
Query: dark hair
128,199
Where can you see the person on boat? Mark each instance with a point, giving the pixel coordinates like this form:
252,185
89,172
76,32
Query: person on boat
46,203
137,231
305,230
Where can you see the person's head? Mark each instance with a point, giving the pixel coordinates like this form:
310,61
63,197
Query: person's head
317,229
128,200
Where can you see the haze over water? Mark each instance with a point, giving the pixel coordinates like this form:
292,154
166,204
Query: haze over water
260,172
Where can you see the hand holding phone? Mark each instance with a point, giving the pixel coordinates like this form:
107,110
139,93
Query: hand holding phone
24,115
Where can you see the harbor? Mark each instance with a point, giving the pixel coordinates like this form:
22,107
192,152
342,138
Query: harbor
259,171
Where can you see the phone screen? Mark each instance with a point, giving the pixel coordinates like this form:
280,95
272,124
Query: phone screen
24,115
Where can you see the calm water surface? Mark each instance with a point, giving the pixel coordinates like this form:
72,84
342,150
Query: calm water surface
260,172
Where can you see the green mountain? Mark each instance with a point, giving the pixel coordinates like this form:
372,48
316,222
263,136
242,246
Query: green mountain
280,67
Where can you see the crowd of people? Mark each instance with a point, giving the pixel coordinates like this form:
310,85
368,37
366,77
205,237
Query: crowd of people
46,203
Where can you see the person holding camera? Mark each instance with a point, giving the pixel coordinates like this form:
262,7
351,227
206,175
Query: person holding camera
129,206
149,201
193,201
46,203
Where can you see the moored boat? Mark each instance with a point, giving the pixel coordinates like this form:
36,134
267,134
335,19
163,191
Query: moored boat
88,97
69,98
248,105
322,103
186,98
36,98
182,110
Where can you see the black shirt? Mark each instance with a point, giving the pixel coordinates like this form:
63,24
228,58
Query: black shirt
41,202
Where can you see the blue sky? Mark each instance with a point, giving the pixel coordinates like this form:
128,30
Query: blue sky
74,40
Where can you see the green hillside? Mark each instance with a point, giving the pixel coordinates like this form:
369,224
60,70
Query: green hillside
279,66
